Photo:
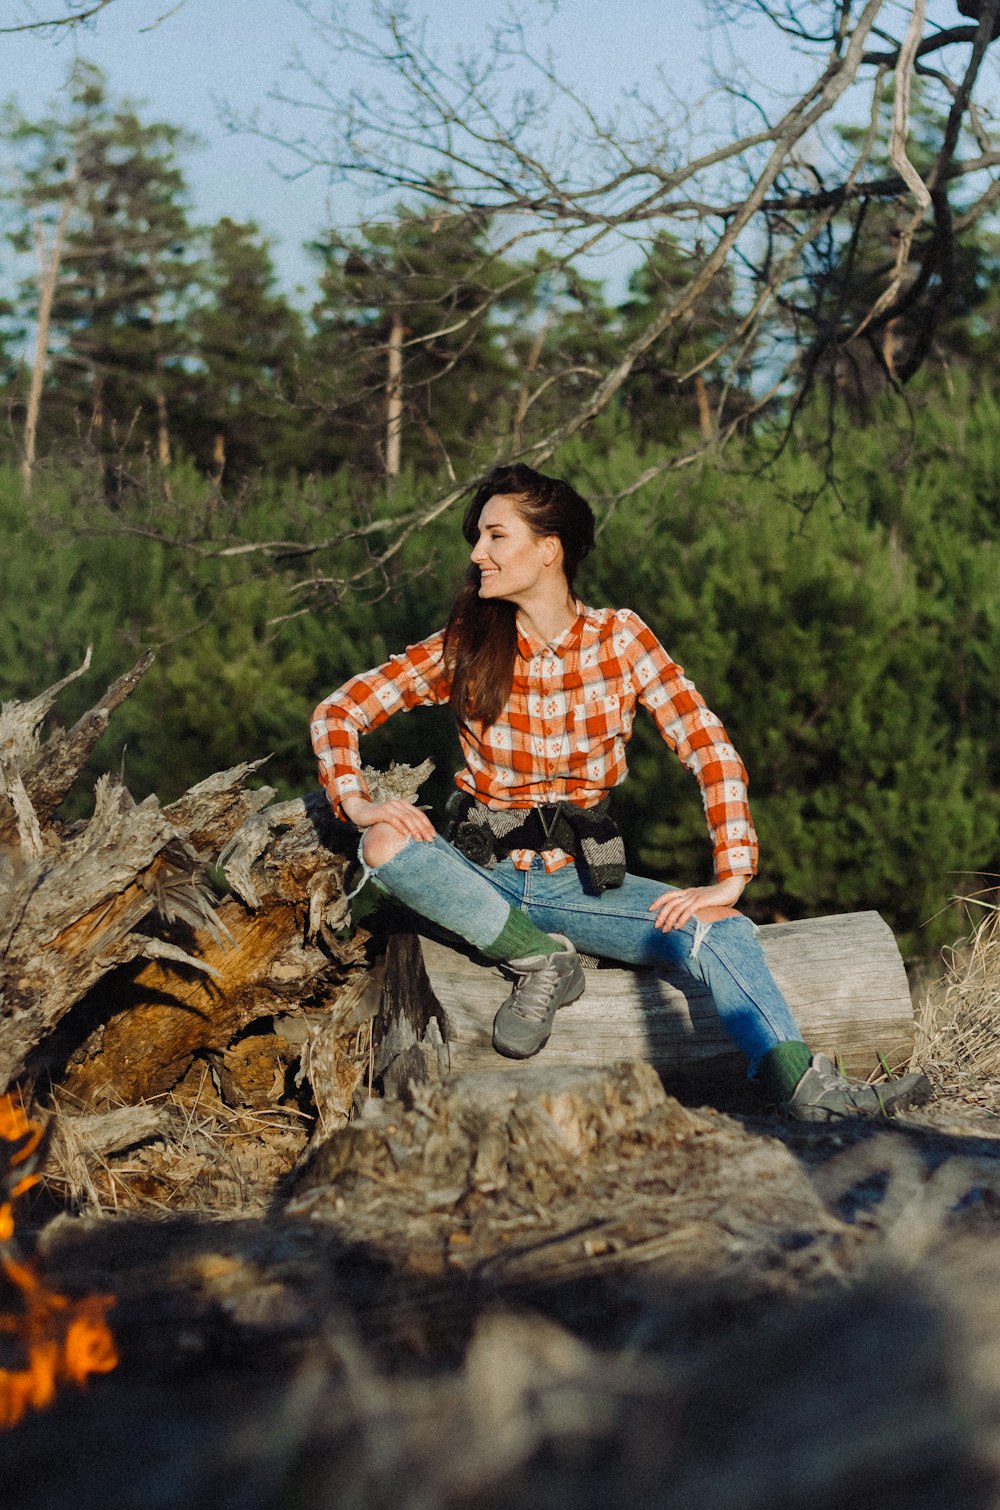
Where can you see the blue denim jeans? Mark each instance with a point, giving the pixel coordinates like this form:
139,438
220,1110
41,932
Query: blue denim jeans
436,881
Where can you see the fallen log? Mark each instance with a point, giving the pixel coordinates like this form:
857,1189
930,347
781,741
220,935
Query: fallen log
843,977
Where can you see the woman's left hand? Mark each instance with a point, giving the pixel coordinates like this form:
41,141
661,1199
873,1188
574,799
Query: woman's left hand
675,908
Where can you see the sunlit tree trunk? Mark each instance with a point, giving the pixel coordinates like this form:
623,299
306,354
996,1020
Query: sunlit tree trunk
394,398
705,425
218,456
48,278
162,429
97,406
160,397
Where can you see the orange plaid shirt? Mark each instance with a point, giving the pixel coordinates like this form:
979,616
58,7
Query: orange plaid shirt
563,733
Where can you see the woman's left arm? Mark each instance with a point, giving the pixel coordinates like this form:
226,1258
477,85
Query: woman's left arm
700,741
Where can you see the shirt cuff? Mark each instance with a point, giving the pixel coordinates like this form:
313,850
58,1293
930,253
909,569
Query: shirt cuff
337,788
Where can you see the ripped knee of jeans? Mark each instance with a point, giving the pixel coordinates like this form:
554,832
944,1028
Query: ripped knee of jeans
703,920
716,914
700,930
363,873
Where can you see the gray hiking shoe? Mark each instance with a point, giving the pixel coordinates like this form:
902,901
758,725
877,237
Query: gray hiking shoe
824,1095
546,982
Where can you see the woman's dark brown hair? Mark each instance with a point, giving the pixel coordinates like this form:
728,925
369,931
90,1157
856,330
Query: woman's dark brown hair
481,637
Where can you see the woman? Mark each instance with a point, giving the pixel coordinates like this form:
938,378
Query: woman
544,691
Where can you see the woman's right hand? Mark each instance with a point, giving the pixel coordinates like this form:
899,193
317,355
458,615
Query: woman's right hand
410,821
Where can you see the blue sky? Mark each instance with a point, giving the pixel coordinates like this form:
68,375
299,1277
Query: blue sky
185,61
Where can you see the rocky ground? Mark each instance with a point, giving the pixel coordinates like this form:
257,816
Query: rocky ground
580,1293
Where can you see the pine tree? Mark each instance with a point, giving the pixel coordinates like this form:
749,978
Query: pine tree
126,270
408,362
248,343
666,393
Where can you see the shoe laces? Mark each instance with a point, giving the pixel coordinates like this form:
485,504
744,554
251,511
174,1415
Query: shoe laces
858,1092
828,1074
533,992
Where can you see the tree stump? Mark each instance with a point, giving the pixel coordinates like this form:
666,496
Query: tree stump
842,976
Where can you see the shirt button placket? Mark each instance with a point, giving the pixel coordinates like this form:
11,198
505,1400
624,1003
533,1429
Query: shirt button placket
548,687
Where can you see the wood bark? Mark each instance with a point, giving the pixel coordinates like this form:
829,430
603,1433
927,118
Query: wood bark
843,977
394,399
279,944
127,888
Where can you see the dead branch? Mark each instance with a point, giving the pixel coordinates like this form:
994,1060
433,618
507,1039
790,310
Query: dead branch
78,14
538,160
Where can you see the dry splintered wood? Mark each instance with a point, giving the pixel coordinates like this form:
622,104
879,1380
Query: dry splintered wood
75,912
286,943
46,772
127,888
843,977
277,952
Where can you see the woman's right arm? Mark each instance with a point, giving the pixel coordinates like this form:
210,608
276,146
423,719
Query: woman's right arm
416,677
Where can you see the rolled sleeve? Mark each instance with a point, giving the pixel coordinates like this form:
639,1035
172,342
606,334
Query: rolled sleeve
701,743
416,677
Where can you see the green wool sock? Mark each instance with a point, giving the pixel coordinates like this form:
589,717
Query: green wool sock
519,937
781,1069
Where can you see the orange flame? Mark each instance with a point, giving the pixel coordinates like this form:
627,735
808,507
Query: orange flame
25,1139
61,1340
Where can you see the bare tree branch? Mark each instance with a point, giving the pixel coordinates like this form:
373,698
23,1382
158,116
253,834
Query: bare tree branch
499,134
81,11
75,17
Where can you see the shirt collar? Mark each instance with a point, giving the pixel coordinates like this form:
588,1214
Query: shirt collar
564,644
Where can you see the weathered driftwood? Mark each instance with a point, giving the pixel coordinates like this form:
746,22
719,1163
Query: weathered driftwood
78,902
843,977
41,775
279,949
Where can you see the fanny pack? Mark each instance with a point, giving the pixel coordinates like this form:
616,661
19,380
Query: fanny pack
590,834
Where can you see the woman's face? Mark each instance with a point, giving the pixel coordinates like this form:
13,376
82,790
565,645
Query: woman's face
513,561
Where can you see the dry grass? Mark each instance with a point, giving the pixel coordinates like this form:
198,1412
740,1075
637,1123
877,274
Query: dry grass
188,1153
958,1017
